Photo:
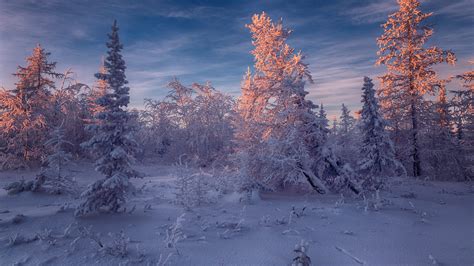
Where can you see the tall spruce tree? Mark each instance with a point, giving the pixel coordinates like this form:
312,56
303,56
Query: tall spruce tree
113,137
377,151
410,74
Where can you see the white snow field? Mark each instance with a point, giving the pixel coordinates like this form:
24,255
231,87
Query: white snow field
421,223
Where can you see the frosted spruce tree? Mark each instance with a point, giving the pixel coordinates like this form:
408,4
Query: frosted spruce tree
334,126
112,137
410,74
377,151
346,120
323,122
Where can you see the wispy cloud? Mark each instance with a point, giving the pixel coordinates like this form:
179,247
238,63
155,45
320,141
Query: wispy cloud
372,12
459,10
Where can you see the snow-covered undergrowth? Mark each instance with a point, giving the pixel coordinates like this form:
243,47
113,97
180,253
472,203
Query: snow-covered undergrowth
417,222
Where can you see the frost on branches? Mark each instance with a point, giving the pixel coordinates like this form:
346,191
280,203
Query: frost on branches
410,74
192,121
280,140
463,115
51,179
24,111
112,139
273,108
377,151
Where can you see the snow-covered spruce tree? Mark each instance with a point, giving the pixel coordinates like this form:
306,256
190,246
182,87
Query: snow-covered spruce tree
347,121
113,137
410,74
24,111
323,122
334,127
346,143
377,151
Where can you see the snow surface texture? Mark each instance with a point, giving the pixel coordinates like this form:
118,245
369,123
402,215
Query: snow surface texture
420,223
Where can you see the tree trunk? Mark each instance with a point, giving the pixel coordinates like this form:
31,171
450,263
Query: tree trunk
415,152
314,181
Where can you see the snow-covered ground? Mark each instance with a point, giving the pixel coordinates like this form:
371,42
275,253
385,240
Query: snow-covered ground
422,223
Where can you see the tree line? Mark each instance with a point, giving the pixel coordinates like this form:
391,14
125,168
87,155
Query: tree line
272,135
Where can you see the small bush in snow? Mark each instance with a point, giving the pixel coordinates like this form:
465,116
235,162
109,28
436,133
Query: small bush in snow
175,233
301,259
18,239
118,246
192,187
51,178
19,186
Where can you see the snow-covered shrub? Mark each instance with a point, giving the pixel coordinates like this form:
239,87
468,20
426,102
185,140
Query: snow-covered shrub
18,239
373,201
192,186
302,258
51,178
195,121
19,186
105,195
175,233
231,229
118,247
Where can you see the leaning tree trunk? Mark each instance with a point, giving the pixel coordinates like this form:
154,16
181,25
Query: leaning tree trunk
316,183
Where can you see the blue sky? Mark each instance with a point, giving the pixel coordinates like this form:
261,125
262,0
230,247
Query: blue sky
199,41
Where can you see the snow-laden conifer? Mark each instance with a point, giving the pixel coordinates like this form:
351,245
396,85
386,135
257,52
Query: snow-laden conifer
377,151
112,137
